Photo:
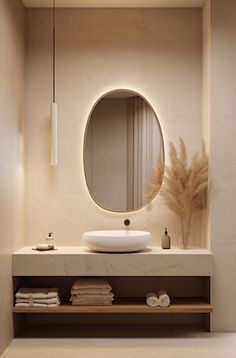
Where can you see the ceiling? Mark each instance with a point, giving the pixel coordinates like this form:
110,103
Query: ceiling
114,3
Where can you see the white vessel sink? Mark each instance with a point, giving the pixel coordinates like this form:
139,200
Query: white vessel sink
117,240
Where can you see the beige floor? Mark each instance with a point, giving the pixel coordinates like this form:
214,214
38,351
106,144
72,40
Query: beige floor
208,345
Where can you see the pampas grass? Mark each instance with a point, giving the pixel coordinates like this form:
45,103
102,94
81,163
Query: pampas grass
156,180
184,188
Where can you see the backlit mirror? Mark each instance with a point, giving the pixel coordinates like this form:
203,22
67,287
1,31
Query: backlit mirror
123,142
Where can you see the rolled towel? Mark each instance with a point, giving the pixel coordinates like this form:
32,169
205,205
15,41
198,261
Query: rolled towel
164,299
152,299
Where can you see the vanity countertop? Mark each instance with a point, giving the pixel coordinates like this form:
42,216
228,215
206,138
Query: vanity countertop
79,261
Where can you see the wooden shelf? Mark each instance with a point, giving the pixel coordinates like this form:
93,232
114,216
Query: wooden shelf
127,305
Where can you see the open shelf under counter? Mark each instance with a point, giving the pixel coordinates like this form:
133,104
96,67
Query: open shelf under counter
79,261
126,305
110,331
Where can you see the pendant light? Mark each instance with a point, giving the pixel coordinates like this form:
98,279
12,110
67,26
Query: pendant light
54,104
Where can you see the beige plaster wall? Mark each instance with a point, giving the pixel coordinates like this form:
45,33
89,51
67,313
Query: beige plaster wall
156,52
223,162
12,34
206,113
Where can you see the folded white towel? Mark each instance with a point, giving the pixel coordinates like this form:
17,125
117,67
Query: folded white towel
93,296
38,300
92,300
91,303
152,299
96,291
164,299
26,292
84,283
35,304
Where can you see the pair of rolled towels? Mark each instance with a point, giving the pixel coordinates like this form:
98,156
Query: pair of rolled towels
160,299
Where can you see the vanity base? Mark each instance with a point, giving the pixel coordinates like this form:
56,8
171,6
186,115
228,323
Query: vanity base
108,331
129,316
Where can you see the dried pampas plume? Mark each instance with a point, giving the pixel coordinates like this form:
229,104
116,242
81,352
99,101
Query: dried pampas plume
156,180
184,188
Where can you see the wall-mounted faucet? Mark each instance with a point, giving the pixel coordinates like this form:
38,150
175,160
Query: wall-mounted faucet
127,222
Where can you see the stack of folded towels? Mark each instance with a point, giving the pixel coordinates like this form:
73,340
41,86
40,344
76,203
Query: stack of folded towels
91,292
160,299
37,297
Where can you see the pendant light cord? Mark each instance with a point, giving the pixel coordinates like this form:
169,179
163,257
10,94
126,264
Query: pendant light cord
54,53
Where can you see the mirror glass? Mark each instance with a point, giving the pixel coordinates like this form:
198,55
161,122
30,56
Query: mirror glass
123,142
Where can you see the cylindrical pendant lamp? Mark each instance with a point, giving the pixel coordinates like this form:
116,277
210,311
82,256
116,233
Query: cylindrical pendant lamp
54,134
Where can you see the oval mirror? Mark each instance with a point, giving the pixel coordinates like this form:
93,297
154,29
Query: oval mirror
123,142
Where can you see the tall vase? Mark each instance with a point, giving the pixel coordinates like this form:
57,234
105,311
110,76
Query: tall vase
185,224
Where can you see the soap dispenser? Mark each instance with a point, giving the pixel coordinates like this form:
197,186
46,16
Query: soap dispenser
165,241
50,241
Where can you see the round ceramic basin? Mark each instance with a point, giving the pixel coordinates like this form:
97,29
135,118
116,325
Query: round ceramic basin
117,240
